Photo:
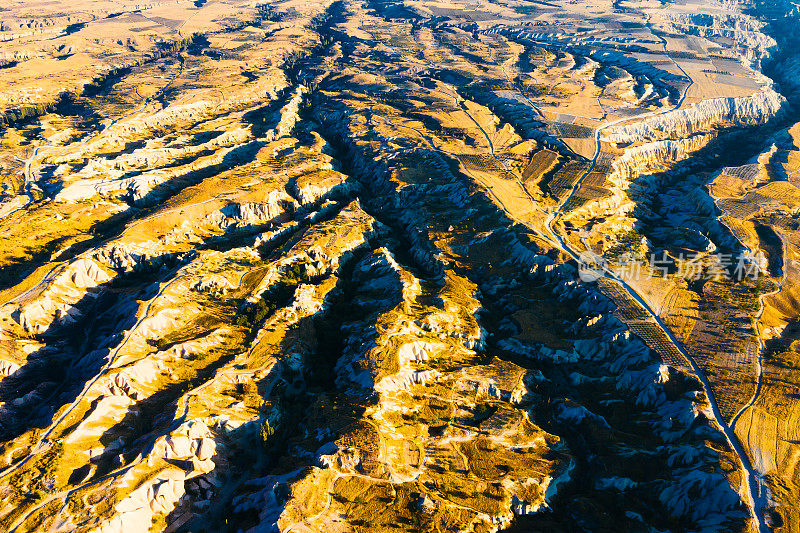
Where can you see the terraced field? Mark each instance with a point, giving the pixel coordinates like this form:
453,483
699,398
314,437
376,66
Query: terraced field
320,266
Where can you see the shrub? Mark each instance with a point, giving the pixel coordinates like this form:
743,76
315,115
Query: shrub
276,297
266,432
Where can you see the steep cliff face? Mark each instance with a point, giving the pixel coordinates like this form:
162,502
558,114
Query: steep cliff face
315,271
700,117
652,180
635,178
654,156
428,353
754,45
652,83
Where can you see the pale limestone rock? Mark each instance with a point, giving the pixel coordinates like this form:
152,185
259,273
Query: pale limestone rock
702,116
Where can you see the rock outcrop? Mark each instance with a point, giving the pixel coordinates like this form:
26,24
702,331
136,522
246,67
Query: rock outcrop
701,117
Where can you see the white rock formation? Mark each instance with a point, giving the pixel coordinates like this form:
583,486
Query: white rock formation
192,443
655,156
703,116
753,45
57,303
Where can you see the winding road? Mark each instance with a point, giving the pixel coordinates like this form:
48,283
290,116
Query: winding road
757,499
43,443
757,496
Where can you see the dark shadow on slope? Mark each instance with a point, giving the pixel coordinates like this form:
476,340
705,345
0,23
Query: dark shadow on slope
236,157
668,209
74,354
600,451
160,413
74,28
307,396
14,272
772,245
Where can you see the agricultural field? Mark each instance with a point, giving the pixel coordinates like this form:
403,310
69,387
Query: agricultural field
399,265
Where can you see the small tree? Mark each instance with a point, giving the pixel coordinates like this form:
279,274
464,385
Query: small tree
267,431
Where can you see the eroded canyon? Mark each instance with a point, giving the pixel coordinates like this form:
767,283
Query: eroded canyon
321,266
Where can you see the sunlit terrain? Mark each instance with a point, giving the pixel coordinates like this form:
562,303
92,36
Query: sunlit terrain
400,265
